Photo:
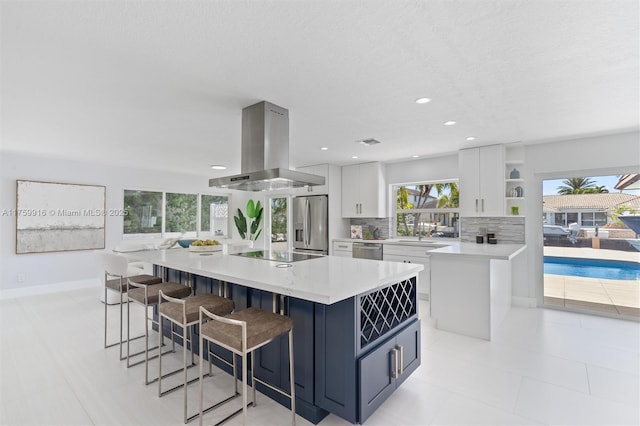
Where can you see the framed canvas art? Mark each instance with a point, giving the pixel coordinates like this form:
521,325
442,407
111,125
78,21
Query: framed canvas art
59,217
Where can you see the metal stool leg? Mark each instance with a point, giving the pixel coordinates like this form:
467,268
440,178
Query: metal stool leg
293,382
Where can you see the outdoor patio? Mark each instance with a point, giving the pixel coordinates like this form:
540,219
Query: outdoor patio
616,297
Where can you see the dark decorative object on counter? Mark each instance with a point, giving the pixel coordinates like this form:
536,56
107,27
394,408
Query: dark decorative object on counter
479,239
492,241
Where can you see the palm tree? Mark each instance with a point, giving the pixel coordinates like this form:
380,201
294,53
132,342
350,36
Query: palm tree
450,200
402,202
577,185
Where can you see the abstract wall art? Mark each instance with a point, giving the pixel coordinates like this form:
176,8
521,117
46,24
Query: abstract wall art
59,217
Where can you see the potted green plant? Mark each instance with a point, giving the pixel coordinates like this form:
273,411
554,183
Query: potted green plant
249,226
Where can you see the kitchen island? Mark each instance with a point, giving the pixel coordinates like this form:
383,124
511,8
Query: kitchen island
356,326
471,286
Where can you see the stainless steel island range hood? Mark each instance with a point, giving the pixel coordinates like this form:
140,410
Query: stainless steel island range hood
265,153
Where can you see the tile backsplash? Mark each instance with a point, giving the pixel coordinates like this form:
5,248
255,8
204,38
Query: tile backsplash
370,224
508,230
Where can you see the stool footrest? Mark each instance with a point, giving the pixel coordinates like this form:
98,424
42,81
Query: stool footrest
122,342
181,385
270,386
213,407
142,361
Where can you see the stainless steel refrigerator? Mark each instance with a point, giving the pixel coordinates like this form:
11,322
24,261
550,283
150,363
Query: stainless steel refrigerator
310,224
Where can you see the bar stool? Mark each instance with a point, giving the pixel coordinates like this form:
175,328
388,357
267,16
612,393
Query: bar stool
116,280
242,333
148,295
185,313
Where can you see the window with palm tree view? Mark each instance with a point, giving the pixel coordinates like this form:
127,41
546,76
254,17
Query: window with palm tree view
168,214
427,210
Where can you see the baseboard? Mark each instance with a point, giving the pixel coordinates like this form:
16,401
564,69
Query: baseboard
49,288
524,302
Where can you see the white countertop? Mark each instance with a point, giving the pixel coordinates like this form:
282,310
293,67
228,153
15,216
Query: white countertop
327,279
493,251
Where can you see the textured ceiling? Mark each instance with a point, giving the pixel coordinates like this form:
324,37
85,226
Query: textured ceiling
163,83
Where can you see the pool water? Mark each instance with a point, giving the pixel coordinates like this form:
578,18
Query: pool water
592,268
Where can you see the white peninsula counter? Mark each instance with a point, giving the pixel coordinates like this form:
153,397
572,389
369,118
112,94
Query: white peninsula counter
471,286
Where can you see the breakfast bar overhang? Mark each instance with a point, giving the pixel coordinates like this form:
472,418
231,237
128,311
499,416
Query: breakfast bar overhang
356,323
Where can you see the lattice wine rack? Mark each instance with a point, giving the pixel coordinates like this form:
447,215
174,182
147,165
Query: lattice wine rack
383,310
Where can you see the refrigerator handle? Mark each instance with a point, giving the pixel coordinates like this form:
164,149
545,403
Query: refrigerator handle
308,228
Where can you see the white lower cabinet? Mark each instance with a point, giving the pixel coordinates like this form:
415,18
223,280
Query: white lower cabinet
342,249
411,254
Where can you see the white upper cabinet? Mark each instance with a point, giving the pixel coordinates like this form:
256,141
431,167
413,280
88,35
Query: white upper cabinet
482,183
364,190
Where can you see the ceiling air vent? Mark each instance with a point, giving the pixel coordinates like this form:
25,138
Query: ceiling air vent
369,142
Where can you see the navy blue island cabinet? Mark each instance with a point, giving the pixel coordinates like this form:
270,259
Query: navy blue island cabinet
349,356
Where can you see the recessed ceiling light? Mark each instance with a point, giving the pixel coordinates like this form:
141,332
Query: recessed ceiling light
218,167
471,138
423,100
355,157
415,156
449,123
324,148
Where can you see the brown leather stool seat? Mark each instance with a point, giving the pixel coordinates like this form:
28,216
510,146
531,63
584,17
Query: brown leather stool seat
141,279
210,302
262,327
152,292
243,332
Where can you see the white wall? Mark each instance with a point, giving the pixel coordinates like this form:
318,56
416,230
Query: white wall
434,168
40,269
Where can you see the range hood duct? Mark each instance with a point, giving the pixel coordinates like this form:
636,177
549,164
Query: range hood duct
265,153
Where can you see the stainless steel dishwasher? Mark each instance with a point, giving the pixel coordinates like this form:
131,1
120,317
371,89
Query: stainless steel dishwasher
367,251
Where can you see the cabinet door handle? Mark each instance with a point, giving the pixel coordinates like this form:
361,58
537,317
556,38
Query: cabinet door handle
394,369
483,205
476,205
400,368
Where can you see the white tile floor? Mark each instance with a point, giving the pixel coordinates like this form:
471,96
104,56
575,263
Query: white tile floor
544,367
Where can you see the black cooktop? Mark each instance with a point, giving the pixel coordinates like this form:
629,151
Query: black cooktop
278,256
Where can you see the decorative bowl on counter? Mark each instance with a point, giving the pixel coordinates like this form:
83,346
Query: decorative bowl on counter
205,245
205,248
185,243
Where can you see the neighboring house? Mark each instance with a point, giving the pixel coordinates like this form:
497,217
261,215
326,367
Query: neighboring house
587,210
628,182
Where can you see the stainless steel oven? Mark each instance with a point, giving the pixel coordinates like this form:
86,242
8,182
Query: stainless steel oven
367,251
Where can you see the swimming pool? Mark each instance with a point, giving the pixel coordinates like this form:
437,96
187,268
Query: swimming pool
592,268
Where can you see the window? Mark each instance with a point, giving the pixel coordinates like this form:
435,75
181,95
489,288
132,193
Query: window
181,212
594,219
279,220
188,214
144,212
214,214
428,209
